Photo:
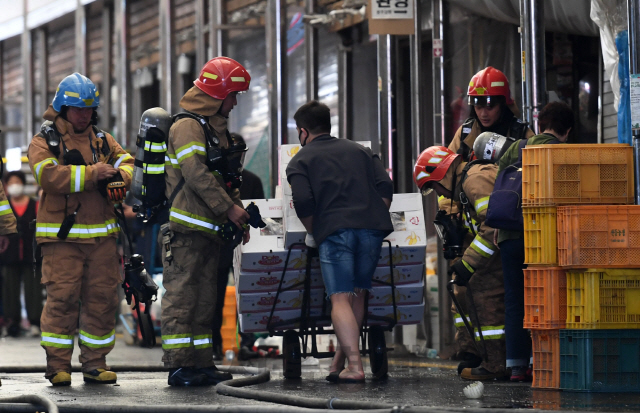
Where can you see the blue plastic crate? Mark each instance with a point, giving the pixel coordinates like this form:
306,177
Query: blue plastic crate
600,360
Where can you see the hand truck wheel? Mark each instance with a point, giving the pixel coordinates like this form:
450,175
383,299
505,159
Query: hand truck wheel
291,356
378,352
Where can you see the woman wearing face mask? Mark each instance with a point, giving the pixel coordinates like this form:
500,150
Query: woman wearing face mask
16,261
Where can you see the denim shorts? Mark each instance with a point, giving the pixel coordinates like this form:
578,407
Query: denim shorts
348,258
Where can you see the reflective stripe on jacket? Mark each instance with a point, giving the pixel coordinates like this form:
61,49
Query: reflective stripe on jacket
66,187
202,203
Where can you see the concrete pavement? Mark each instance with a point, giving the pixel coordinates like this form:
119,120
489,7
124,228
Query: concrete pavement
413,382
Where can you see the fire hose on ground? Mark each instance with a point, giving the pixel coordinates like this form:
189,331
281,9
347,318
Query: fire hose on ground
288,403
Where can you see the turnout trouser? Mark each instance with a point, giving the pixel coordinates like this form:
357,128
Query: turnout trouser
80,279
188,305
487,286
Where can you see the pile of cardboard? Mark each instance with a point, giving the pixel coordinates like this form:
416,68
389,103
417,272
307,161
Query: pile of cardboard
259,265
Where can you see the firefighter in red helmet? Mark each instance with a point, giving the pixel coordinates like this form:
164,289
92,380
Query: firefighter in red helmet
492,110
478,270
202,201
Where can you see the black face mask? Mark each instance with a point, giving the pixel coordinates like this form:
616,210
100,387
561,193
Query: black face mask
300,139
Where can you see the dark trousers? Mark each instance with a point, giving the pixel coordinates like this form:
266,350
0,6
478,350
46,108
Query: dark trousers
517,338
13,276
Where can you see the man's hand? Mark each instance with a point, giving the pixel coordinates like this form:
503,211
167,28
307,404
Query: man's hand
246,236
495,237
4,243
104,170
463,275
237,215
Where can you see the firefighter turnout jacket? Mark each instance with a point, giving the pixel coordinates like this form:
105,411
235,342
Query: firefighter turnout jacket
202,203
8,223
65,187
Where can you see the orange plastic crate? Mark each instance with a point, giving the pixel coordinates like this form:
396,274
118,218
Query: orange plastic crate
603,299
599,236
540,235
577,174
546,359
545,297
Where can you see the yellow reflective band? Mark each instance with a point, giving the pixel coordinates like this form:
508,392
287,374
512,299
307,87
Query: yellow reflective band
77,178
155,147
127,168
5,208
94,341
171,160
40,166
79,230
468,267
193,221
88,102
177,341
481,204
435,160
422,175
482,247
122,157
237,78
56,340
153,169
72,94
189,150
209,75
97,93
497,84
471,83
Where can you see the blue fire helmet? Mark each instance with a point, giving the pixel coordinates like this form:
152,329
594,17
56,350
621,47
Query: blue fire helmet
77,91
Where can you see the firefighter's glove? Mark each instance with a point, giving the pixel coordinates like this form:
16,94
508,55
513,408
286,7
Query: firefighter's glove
255,219
463,275
116,188
310,241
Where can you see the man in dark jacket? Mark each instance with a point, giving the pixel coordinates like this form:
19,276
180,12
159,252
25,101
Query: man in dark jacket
342,195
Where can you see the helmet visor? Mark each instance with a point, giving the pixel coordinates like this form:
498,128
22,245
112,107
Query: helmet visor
485,101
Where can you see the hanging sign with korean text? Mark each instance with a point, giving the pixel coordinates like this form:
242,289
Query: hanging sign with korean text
392,9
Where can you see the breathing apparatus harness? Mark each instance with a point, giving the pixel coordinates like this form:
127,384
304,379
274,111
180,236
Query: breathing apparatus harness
220,160
138,285
451,230
52,136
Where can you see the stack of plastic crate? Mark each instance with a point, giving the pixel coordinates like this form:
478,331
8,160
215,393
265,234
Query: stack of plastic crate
582,241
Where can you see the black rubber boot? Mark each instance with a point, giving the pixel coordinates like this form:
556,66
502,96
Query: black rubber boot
186,377
469,361
214,376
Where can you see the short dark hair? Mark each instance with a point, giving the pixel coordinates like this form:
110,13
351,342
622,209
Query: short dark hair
19,174
314,116
556,116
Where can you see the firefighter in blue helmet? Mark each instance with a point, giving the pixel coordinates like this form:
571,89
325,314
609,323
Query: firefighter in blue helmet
83,171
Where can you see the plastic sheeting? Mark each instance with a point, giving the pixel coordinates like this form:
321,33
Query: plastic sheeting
611,18
624,108
561,16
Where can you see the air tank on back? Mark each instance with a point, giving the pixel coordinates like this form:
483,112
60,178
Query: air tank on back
148,173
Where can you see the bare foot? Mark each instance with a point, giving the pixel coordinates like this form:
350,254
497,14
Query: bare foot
338,361
351,375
